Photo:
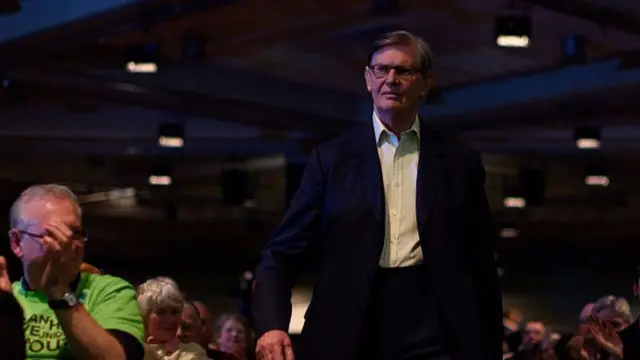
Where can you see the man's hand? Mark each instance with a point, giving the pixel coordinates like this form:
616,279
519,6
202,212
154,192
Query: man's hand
576,348
63,260
5,282
606,336
275,345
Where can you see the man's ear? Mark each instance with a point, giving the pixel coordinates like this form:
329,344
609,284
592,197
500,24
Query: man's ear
367,79
14,242
429,83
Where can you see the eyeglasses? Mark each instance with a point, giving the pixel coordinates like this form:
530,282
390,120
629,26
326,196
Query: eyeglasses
79,235
402,72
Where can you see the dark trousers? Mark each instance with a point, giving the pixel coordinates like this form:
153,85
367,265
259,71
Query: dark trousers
402,319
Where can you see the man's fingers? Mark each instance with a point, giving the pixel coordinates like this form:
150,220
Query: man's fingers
288,353
276,352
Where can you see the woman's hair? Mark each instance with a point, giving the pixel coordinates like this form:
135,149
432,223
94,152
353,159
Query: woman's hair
157,293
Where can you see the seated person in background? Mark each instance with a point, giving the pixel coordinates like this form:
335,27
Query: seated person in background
233,335
161,303
610,316
12,340
532,335
191,331
68,314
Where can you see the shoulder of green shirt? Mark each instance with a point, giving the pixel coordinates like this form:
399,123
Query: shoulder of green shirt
112,302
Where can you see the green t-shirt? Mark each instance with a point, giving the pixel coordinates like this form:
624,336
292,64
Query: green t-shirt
111,301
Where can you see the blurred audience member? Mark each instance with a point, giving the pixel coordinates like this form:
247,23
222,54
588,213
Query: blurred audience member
585,316
67,314
532,334
613,311
190,330
12,341
233,335
206,333
161,304
609,316
511,319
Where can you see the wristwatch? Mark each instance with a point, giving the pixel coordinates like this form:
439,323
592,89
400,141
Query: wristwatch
67,301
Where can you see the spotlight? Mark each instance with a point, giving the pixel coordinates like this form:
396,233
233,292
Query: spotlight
143,59
587,137
171,135
597,176
530,189
513,31
161,175
508,231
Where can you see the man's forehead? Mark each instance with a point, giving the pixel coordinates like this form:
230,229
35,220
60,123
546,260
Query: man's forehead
534,326
43,208
202,309
402,54
189,312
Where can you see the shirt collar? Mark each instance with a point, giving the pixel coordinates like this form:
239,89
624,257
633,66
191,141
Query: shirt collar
380,129
73,286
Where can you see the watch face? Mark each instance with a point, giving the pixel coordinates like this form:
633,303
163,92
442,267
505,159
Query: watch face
71,299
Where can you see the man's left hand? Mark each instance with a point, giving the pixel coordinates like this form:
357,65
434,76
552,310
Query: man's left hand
62,260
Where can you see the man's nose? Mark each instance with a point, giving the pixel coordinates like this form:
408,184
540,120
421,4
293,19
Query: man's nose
392,77
179,331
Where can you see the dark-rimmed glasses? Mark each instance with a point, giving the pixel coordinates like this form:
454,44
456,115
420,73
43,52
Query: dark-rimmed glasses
402,72
79,235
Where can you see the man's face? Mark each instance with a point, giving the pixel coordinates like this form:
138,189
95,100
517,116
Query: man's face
613,319
26,237
206,334
190,329
532,334
395,80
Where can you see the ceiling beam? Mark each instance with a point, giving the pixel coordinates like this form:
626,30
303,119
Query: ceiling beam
104,88
43,25
600,14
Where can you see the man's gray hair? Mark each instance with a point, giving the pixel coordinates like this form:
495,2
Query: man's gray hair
617,304
40,191
401,37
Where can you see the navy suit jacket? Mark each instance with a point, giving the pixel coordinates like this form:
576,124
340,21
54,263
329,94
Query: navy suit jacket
338,214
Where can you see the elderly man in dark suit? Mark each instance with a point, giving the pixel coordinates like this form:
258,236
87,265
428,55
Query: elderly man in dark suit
396,215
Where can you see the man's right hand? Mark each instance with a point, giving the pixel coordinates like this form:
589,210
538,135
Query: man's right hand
275,345
5,282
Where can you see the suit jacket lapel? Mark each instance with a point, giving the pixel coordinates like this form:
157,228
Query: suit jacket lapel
430,178
369,171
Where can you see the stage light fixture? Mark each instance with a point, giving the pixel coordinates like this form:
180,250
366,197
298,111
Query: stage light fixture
587,137
161,175
171,135
513,30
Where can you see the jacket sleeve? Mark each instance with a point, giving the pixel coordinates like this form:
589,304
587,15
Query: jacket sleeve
283,252
488,289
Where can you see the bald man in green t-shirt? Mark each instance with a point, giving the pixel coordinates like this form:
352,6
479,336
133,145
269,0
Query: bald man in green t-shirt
67,314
